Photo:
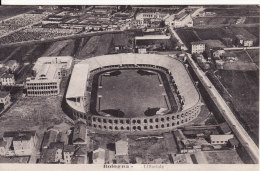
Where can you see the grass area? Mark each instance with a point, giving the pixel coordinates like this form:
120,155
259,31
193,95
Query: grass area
244,89
131,93
223,157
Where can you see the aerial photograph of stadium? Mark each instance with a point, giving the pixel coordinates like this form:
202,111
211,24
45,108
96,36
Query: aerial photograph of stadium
129,84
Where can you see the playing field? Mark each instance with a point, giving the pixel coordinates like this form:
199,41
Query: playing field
131,92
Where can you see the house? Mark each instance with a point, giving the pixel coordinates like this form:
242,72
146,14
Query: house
99,156
58,146
12,65
22,142
220,139
5,98
198,47
218,53
49,137
80,133
7,79
78,160
82,151
224,128
68,152
121,147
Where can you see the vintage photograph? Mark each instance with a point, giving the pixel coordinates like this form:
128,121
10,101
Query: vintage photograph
129,84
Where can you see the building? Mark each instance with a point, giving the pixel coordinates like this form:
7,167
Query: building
170,143
181,159
58,146
68,152
82,153
62,137
220,139
5,99
3,147
182,20
20,143
12,65
48,156
99,156
48,72
49,137
7,79
198,47
80,133
110,157
121,148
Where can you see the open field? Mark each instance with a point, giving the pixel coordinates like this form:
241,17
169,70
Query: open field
242,55
243,87
249,10
222,157
204,21
132,93
212,33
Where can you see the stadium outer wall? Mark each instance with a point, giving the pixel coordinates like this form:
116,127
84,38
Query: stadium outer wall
137,124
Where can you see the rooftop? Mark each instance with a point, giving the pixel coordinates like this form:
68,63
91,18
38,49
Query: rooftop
79,133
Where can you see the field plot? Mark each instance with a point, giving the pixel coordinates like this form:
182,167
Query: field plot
253,30
212,33
56,47
132,93
104,44
223,157
187,36
242,55
243,87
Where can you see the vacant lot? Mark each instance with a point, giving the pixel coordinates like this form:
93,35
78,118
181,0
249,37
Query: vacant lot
243,87
132,93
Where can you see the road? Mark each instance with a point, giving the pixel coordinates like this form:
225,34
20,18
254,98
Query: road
234,124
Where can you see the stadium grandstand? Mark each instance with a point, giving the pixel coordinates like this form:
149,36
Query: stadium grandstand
79,93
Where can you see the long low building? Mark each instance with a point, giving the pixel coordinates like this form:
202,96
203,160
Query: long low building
78,96
47,74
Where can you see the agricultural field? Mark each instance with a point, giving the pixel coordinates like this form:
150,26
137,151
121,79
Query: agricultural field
249,10
212,33
242,55
187,36
204,21
243,87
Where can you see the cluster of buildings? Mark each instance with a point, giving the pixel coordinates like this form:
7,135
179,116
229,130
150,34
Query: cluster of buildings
47,74
76,147
7,71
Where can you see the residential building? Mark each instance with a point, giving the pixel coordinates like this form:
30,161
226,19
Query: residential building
22,142
122,147
220,139
7,79
170,143
68,152
62,137
82,153
110,157
3,147
48,156
58,146
48,72
80,133
99,156
5,98
182,20
198,47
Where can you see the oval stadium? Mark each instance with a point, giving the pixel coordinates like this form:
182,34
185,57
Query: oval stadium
132,93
